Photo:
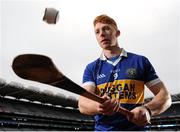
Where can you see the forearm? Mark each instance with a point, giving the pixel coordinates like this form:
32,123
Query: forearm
87,106
160,102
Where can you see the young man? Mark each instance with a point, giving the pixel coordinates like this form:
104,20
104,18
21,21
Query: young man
119,77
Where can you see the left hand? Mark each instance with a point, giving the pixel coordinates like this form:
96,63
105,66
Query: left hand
141,116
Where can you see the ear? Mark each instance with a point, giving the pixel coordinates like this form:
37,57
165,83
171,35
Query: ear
118,33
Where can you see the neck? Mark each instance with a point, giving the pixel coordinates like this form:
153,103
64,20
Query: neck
112,52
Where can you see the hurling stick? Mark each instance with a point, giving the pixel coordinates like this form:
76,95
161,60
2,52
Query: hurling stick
41,69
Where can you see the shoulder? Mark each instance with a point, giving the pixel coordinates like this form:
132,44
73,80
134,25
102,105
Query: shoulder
134,55
93,64
137,57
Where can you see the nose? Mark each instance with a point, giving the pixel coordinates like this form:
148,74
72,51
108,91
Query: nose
102,33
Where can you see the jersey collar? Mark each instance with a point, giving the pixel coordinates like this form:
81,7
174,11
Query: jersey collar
123,53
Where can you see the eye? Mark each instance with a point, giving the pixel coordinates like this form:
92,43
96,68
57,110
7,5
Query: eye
97,32
107,28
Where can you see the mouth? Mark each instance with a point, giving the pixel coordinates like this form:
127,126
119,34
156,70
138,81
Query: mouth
105,41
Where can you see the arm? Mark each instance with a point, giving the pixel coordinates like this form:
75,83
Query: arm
162,98
87,106
160,103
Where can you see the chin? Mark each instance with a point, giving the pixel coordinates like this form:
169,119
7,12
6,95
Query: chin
107,48
104,46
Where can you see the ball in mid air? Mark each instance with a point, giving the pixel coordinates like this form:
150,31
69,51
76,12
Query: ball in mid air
51,16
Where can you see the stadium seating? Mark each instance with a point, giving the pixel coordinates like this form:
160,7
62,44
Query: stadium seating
29,108
19,115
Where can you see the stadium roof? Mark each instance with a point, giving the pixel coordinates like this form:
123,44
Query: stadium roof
31,93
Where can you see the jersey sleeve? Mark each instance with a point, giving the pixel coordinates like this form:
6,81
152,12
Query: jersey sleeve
151,78
88,78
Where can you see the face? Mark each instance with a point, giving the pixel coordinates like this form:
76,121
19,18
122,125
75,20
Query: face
106,35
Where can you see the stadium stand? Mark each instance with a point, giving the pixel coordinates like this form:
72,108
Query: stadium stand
19,115
30,109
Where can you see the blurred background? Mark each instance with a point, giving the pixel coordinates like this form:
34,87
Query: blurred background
150,28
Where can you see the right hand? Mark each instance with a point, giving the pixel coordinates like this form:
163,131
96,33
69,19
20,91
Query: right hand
109,106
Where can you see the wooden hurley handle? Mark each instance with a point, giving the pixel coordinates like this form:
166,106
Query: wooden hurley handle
101,100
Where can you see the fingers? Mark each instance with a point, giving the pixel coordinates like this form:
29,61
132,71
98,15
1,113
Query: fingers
109,107
140,116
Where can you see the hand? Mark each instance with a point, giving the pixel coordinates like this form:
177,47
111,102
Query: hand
141,116
109,106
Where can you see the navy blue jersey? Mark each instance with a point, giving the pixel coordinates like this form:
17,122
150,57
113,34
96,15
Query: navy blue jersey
123,79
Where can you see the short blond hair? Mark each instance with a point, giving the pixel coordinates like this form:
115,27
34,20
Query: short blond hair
105,20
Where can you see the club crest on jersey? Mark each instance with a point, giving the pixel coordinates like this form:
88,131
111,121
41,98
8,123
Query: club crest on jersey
131,72
100,76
